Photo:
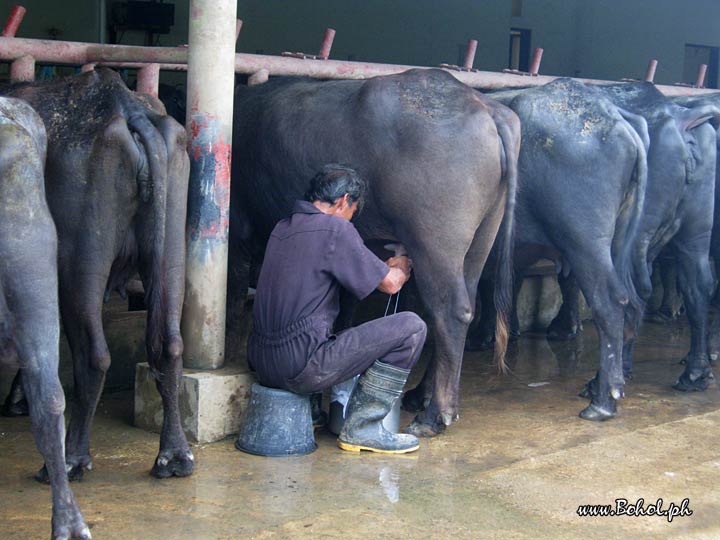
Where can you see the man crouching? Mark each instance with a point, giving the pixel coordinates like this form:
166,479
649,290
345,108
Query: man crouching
309,257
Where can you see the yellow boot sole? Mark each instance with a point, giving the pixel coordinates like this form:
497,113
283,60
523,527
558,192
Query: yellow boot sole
358,447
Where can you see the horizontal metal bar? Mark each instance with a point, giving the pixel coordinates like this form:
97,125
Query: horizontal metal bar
175,59
78,53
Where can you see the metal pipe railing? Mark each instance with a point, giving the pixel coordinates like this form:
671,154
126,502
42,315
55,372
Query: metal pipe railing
470,54
652,67
327,44
13,22
175,59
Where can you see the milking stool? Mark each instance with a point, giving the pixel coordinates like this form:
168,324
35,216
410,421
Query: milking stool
277,423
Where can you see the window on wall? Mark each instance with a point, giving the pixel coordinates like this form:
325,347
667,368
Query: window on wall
517,6
519,49
695,55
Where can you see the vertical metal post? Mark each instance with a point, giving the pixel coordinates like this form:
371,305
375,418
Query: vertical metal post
23,69
13,22
148,79
211,77
470,53
536,59
700,81
327,43
652,66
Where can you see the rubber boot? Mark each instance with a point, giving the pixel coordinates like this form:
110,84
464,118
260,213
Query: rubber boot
374,395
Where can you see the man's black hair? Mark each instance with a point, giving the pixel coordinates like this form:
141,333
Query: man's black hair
334,181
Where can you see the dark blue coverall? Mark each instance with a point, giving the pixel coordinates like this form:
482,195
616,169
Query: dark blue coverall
309,257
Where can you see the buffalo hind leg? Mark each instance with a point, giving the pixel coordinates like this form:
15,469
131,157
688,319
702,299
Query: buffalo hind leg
175,457
46,404
442,378
15,403
695,281
567,324
449,293
607,299
82,318
481,335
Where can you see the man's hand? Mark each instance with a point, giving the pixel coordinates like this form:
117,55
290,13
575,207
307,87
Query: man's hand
400,268
402,262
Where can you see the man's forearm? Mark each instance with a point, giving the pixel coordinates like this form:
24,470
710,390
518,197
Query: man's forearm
393,281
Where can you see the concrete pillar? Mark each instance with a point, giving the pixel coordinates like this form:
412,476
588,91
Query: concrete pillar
211,76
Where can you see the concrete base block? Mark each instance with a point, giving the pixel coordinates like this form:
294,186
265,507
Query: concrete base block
211,402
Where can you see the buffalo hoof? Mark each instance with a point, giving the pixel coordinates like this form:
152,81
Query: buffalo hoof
596,413
421,429
18,408
589,391
75,472
428,423
320,420
173,463
414,400
689,382
70,526
660,317
559,333
479,343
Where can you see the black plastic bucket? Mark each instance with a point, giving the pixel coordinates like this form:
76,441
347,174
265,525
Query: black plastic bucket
277,423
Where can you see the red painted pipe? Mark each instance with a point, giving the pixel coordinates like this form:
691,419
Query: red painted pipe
148,79
652,66
535,64
470,53
13,22
327,44
700,81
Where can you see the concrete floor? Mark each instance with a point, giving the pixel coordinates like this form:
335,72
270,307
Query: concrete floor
516,466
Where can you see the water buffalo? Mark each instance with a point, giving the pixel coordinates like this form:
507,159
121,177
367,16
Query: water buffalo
116,184
679,213
582,180
699,102
29,318
440,161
